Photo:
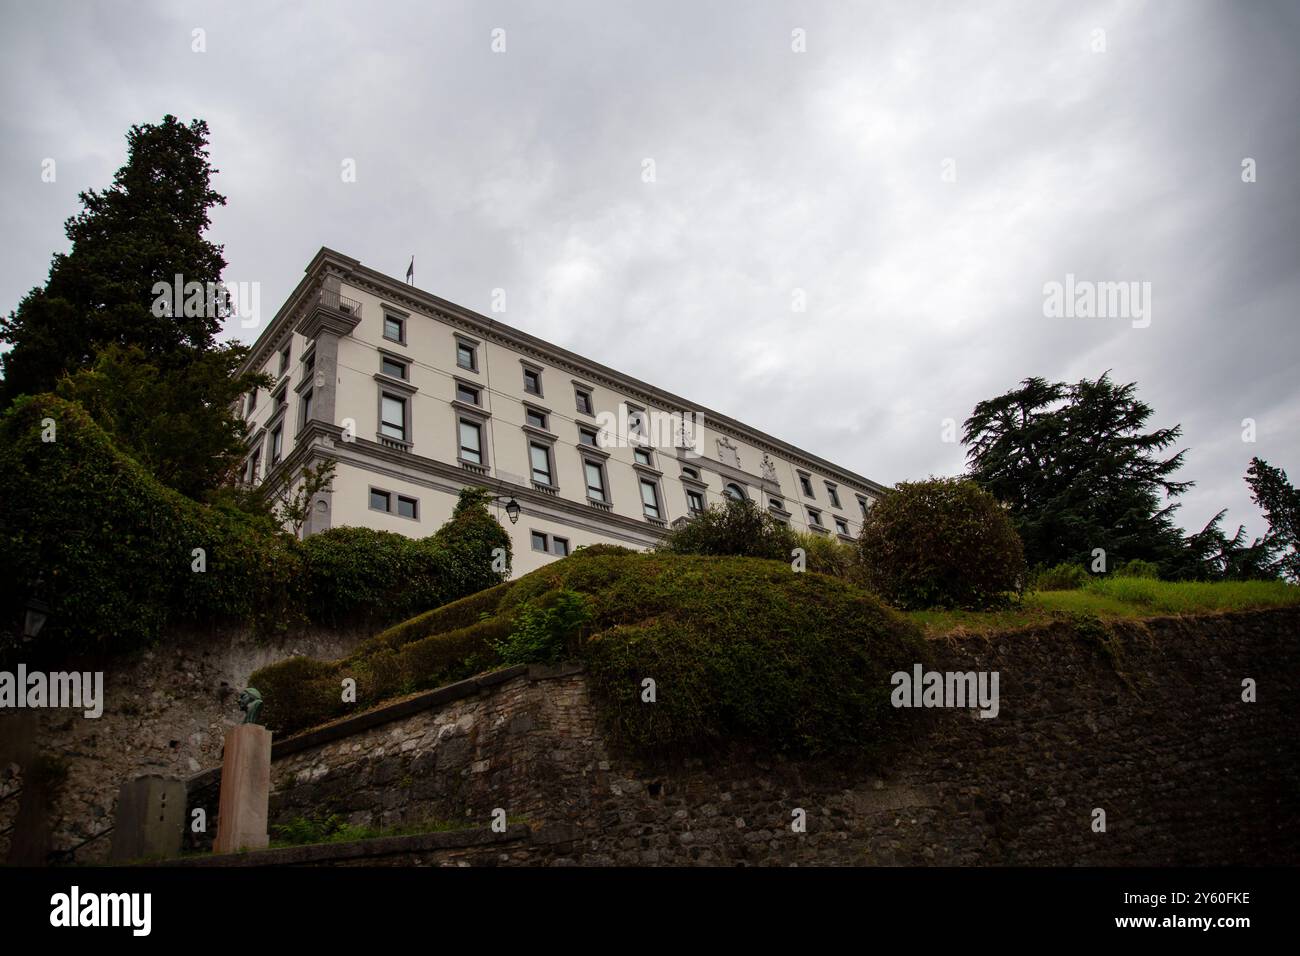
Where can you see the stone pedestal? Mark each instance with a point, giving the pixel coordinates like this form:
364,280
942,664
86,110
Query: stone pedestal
150,820
245,790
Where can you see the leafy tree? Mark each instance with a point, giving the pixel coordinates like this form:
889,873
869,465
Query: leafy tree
1078,469
144,229
1280,502
736,528
294,493
1210,555
178,420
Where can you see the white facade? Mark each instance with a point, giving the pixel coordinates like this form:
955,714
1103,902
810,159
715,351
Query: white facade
415,398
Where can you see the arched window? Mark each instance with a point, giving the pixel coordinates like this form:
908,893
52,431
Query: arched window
735,491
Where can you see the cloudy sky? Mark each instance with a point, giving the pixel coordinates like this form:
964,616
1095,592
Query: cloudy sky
914,173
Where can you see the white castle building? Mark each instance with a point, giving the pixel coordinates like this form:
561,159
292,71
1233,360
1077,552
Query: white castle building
415,398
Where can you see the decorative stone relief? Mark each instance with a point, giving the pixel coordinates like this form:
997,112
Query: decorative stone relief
728,454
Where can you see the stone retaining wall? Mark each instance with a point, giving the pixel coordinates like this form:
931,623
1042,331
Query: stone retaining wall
1145,722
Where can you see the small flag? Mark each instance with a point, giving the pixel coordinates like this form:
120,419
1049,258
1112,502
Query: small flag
410,270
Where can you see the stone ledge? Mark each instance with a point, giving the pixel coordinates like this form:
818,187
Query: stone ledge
398,709
360,849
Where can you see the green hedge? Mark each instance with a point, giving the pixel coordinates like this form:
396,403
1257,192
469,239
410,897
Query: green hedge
739,648
944,542
89,531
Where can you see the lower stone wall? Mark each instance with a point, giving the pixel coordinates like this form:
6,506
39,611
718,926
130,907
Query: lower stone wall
1145,722
166,711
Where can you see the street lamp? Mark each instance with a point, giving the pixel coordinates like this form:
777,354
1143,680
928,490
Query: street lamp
36,614
512,510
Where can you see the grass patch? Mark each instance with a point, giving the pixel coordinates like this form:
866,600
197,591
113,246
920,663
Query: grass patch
1111,599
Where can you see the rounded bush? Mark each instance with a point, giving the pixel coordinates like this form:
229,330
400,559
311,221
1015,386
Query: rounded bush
733,529
944,542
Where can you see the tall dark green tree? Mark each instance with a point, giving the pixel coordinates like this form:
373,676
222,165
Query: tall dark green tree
1280,502
146,228
1078,469
152,376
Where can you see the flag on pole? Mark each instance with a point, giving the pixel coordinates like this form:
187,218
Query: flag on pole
410,271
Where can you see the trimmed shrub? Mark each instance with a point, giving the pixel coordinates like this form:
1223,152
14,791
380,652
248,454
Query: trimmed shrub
115,554
944,542
738,648
118,557
1063,577
732,529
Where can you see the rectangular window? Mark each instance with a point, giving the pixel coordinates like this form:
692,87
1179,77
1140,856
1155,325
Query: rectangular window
536,419
306,406
776,504
277,444
255,466
642,456
595,480
650,498
284,359
815,518
560,546
583,399
539,456
392,422
408,507
539,542
635,423
862,503
392,367
842,526
694,501
806,485
467,356
471,442
587,437
252,403
310,361
833,494
380,500
532,381
395,329
281,398
466,394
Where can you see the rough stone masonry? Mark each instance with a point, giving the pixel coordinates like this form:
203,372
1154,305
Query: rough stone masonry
1148,726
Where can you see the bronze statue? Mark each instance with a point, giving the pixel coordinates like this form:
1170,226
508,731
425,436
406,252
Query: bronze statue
250,702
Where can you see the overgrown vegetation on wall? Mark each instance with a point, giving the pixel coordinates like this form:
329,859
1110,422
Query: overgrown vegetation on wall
733,648
116,556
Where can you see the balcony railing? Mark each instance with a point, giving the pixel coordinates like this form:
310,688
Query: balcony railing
339,302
